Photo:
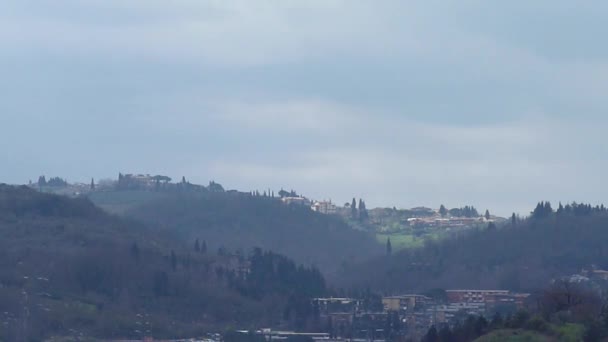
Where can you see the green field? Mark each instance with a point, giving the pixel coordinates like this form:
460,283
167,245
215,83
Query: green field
405,240
568,333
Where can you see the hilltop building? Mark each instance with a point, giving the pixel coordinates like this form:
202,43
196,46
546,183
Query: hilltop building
324,207
296,201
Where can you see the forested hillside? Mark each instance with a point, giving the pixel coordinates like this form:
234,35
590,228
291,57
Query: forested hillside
519,255
237,221
68,268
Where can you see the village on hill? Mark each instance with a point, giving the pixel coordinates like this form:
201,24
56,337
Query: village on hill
405,228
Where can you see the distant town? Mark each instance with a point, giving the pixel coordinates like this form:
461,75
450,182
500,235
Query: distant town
404,227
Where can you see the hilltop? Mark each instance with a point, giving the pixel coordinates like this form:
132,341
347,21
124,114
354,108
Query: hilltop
411,228
312,232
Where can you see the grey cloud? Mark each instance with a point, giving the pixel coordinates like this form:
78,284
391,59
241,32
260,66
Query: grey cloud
404,103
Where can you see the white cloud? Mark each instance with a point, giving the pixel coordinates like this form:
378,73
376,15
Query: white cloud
506,166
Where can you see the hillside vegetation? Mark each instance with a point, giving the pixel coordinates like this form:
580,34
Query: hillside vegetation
515,336
521,255
239,221
69,269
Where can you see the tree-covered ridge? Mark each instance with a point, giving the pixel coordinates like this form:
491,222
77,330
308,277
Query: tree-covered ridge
274,273
71,269
544,210
517,255
22,201
466,211
240,221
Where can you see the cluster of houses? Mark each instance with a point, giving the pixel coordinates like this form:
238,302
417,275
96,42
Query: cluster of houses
453,222
592,278
323,207
412,315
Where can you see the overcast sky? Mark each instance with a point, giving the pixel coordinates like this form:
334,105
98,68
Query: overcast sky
498,104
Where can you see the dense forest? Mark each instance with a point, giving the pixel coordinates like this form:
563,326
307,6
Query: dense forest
238,221
520,255
67,267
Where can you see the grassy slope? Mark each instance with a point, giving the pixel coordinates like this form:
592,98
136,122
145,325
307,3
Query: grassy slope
524,257
510,335
407,241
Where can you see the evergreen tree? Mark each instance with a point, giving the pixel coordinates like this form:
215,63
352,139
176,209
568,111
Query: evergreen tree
443,211
491,226
92,184
560,209
548,209
183,179
353,209
543,209
513,220
362,211
487,215
197,246
389,247
283,193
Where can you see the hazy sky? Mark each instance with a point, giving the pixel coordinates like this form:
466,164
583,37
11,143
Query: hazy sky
498,104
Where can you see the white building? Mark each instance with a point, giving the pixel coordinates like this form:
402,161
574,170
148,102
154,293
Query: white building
324,207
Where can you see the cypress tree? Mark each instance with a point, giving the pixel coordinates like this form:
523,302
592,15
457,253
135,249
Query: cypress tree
362,210
389,247
548,210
